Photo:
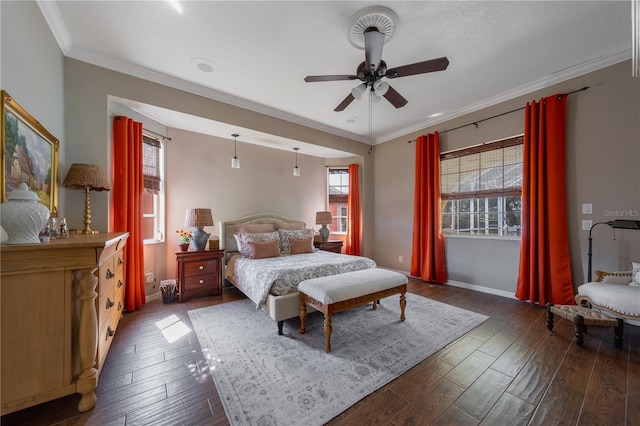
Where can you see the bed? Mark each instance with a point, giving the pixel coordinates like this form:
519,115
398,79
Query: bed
271,282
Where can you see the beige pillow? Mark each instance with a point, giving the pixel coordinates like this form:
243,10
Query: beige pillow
290,226
265,249
253,228
300,246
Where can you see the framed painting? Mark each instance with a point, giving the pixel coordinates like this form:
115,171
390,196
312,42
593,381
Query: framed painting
29,155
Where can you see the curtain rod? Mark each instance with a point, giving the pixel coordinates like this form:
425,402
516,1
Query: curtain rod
475,123
157,134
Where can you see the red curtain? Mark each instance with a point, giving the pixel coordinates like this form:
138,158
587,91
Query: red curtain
545,264
127,204
428,257
354,227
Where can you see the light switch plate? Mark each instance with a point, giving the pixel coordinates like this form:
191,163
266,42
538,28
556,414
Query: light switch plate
586,225
587,208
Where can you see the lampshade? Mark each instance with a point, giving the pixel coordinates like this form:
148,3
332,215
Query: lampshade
296,169
198,217
81,176
87,177
324,218
624,224
380,88
235,161
359,91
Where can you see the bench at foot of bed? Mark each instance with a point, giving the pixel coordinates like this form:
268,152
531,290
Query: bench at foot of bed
336,293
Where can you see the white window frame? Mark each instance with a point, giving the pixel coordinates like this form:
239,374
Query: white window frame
481,186
340,218
158,200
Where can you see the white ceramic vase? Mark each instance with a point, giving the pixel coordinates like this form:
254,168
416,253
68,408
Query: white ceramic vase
22,216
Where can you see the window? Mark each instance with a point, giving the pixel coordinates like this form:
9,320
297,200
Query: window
481,189
338,189
153,194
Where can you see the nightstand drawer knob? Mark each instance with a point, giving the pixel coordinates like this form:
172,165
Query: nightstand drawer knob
109,304
201,267
110,274
201,281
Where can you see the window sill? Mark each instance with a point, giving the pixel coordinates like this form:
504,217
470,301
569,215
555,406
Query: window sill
482,237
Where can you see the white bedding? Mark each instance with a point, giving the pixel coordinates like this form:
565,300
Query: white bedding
256,278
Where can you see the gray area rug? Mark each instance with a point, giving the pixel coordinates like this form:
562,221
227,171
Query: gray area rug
266,379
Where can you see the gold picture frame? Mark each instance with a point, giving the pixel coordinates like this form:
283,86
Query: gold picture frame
29,155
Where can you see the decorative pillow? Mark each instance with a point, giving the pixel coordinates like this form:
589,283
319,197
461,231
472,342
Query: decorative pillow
296,234
264,250
635,274
254,228
300,246
258,237
291,226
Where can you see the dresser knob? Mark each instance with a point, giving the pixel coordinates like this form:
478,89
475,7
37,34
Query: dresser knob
120,306
110,303
201,281
110,333
110,274
201,267
120,261
120,283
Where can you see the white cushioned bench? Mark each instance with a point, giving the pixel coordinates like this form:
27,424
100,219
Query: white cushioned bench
336,293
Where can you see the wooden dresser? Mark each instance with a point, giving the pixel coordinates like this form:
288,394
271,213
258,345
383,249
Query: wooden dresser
60,305
199,273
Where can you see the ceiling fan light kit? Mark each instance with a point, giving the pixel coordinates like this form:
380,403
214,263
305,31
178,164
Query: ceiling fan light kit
371,29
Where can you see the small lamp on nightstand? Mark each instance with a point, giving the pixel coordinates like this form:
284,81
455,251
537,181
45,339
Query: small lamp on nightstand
199,218
324,218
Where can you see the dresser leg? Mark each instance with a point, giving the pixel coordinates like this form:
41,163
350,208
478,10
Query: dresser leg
87,339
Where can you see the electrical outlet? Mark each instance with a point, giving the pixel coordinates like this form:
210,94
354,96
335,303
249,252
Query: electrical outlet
586,225
587,208
400,259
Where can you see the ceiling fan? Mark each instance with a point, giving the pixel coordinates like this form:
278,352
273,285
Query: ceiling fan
374,69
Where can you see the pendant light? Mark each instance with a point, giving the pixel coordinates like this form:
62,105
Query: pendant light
235,162
296,169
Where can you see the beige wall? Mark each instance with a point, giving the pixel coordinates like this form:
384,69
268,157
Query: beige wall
71,99
603,149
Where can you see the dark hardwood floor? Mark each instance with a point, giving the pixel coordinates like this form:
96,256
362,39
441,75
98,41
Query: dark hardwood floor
510,370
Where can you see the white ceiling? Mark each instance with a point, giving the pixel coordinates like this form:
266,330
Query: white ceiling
260,52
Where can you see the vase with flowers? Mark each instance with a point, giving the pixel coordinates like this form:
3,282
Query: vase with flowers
184,239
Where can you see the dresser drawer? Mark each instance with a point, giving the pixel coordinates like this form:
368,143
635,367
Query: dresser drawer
200,268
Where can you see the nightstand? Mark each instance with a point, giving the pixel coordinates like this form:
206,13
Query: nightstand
330,245
199,273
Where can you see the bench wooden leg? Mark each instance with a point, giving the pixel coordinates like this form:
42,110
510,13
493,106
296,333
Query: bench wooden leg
303,317
579,323
280,325
327,333
619,330
549,317
403,304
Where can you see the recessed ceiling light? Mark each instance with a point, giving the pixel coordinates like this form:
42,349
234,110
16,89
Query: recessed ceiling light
205,65
352,119
175,5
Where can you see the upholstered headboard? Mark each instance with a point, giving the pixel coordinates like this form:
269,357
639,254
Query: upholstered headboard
231,227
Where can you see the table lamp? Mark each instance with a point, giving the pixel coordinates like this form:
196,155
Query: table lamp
199,218
324,218
87,177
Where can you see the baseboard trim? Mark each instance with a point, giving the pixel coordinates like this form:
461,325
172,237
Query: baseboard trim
478,288
153,296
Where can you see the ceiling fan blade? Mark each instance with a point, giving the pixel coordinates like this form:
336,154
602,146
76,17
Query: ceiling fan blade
314,78
395,98
345,103
373,43
431,65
